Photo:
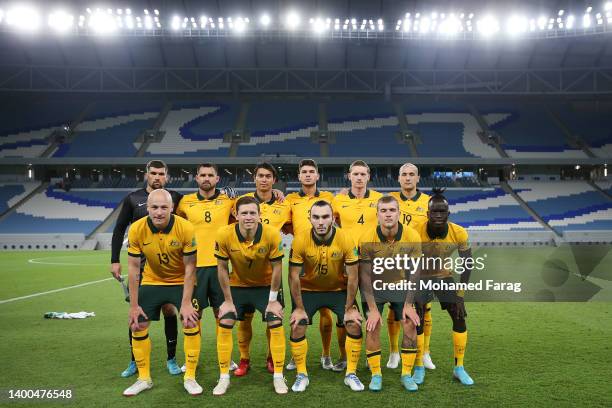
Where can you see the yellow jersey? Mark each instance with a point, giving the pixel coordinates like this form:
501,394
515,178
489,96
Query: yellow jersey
250,260
374,244
272,212
300,204
323,261
412,209
207,216
163,249
454,237
356,215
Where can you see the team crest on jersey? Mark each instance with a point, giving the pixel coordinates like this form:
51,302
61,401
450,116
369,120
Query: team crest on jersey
421,209
277,212
174,243
218,202
372,205
261,250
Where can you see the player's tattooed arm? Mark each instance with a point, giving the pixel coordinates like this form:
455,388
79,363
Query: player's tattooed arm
188,312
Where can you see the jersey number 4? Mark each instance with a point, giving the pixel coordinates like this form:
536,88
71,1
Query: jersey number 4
361,221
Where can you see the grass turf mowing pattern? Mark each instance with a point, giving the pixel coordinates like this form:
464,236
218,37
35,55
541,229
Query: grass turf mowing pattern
518,353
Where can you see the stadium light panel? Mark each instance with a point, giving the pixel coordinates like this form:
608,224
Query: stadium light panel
450,26
240,25
128,11
24,18
569,22
424,25
1,15
488,26
148,22
586,21
129,22
60,21
318,26
176,23
102,23
293,20
265,20
156,12
541,22
517,25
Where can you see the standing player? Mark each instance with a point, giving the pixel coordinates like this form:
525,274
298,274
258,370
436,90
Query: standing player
355,212
440,238
208,209
255,252
388,240
133,207
317,279
168,244
413,211
300,202
277,215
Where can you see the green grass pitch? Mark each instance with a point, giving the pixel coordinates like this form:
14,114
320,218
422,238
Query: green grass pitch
519,353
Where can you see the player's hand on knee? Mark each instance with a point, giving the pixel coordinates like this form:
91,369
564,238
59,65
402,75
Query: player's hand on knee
411,313
297,316
275,308
135,313
190,315
227,308
353,315
116,271
374,320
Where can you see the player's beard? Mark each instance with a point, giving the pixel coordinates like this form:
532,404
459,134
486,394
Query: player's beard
322,236
206,187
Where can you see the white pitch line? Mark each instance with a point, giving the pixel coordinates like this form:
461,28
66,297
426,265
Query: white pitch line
53,291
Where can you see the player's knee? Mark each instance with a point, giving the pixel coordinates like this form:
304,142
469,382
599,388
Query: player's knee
168,310
140,326
408,327
298,331
353,329
227,323
459,325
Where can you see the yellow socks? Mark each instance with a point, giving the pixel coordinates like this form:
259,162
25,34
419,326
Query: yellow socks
141,347
427,327
224,348
325,327
191,343
408,357
245,334
394,328
374,361
353,352
419,355
459,344
299,350
277,347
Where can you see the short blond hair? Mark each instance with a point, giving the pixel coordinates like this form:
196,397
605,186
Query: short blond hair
360,163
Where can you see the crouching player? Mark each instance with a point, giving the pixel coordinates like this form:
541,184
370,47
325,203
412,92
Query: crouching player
322,252
168,244
440,238
255,252
389,239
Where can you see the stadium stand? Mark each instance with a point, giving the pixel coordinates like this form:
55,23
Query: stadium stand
57,211
567,205
488,209
110,129
12,193
196,129
527,131
595,128
605,186
31,123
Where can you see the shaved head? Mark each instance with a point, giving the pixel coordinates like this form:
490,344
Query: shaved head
159,194
159,207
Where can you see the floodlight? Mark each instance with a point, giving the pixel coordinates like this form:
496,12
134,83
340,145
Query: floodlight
23,17
60,21
488,26
293,20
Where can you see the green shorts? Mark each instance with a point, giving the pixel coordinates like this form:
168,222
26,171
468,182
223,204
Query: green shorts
247,300
397,307
445,297
151,298
208,291
335,301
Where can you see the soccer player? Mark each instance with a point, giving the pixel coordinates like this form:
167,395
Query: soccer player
255,252
276,214
388,240
133,207
317,279
440,238
355,212
168,244
300,202
413,210
208,209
